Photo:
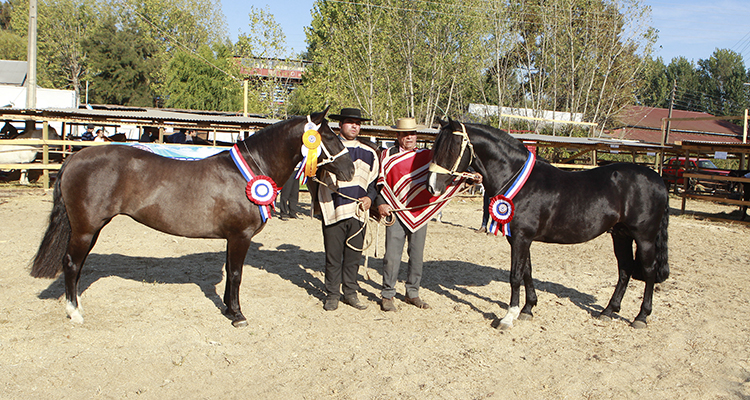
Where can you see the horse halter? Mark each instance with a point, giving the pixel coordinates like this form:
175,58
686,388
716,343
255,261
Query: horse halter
465,142
329,158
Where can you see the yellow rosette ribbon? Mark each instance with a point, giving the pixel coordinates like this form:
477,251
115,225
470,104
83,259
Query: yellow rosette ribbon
311,140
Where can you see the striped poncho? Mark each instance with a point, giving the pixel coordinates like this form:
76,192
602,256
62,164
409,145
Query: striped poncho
366,168
403,184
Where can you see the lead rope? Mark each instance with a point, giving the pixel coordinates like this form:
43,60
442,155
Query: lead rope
367,242
385,221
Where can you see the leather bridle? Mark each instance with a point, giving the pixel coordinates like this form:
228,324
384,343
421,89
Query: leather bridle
465,143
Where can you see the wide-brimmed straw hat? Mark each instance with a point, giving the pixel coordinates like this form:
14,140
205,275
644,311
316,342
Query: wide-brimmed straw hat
406,125
355,113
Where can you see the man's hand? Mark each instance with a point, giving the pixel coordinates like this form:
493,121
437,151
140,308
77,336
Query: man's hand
365,203
384,210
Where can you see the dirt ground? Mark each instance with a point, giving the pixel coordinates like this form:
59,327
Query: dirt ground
154,329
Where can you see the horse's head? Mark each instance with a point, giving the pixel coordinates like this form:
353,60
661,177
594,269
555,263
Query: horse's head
334,158
452,154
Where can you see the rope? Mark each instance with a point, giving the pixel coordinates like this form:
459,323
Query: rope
385,221
367,241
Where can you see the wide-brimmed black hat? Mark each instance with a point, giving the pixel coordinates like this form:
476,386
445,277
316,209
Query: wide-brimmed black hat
349,113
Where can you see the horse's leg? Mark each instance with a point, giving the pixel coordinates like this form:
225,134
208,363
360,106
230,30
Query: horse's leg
646,255
24,179
236,252
519,261
623,245
78,249
528,284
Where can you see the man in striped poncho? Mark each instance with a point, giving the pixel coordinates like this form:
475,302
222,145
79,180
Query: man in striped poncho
343,217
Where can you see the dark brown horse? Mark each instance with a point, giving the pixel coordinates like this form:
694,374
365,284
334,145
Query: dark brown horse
98,183
554,206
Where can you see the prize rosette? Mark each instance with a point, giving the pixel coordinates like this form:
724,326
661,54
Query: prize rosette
501,209
261,190
311,141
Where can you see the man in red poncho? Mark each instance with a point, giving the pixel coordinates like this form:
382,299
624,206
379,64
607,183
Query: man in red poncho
402,185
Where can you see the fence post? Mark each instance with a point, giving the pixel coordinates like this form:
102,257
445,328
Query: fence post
45,154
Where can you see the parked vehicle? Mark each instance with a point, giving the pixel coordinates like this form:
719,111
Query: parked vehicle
675,167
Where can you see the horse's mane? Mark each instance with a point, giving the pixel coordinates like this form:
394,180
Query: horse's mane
259,140
498,137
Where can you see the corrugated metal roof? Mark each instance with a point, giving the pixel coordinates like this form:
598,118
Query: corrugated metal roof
640,117
655,136
13,72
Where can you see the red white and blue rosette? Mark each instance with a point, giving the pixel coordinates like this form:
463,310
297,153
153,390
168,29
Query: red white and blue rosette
261,190
501,213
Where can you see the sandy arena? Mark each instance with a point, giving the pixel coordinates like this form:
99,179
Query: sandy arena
154,329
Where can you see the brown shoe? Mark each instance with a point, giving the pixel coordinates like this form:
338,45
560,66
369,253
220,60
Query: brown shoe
331,304
388,305
417,302
354,302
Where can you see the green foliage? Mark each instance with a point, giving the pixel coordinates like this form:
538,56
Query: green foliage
5,8
429,59
270,95
715,85
196,81
656,87
121,65
722,79
12,46
122,48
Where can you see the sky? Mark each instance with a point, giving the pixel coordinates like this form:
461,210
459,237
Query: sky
689,28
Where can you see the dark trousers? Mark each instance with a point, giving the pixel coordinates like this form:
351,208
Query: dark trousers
342,262
485,209
289,197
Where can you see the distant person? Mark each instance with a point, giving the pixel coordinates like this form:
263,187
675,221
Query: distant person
148,135
288,198
101,136
182,136
88,136
485,212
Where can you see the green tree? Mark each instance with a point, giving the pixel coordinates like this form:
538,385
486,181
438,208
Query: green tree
687,93
265,48
656,87
62,25
394,58
722,83
121,65
202,81
12,45
155,28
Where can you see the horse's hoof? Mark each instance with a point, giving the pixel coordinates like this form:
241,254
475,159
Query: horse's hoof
604,318
240,323
638,324
504,326
525,317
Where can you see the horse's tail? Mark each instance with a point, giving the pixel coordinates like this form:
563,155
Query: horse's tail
48,261
662,252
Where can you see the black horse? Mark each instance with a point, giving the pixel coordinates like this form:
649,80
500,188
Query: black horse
554,206
98,183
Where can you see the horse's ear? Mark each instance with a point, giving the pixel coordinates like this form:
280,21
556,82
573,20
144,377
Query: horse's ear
455,125
319,116
444,123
